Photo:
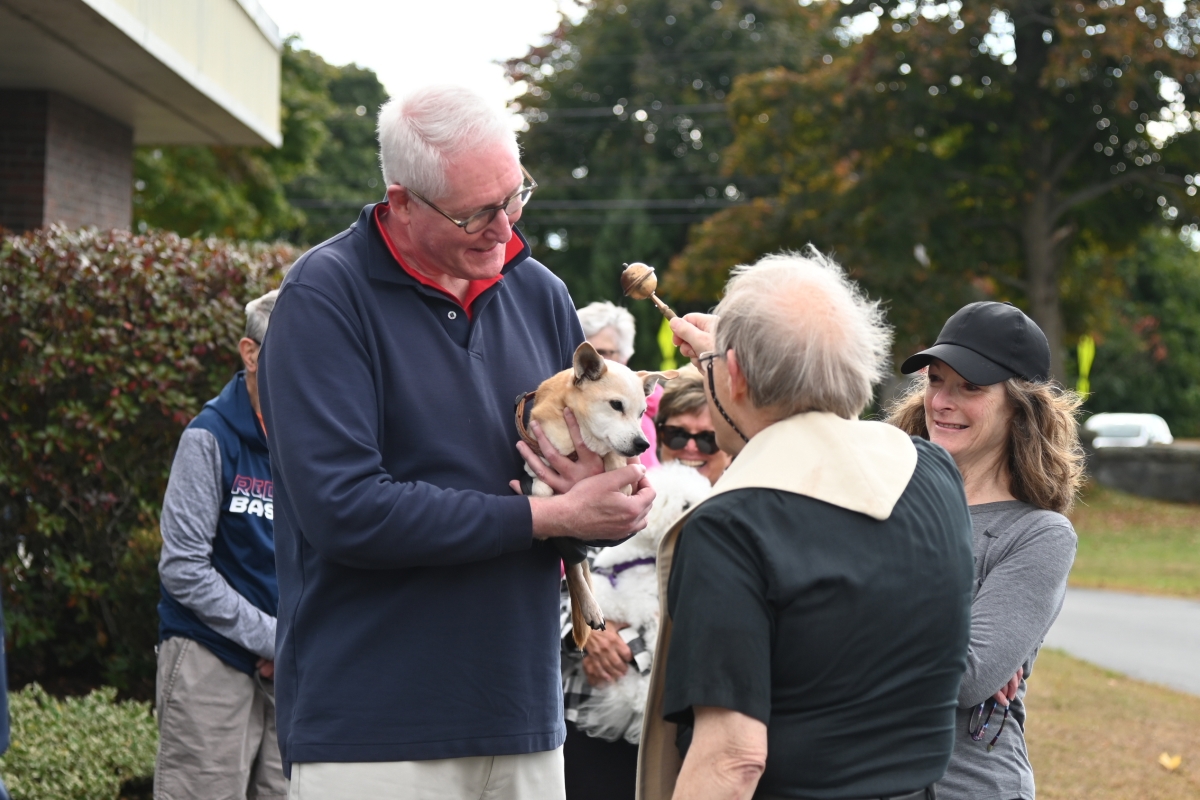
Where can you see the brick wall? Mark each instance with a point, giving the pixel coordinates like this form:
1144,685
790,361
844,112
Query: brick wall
89,167
22,158
61,161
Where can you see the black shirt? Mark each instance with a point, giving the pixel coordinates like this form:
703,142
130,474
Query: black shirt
845,635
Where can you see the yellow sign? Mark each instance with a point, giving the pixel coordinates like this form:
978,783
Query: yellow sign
666,346
1087,354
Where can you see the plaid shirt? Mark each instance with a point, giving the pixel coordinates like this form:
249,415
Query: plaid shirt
576,688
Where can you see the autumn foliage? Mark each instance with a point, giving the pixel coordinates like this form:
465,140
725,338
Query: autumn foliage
950,152
110,343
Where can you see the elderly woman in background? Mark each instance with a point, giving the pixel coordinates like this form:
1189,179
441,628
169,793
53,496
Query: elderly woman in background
685,429
986,397
610,329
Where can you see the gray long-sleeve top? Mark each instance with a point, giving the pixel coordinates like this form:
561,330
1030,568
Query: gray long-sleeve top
1022,558
191,510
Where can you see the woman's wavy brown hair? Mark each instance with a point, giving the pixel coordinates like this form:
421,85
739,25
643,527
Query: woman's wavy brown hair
1045,459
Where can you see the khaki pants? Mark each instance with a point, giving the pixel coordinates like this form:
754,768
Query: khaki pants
532,776
216,729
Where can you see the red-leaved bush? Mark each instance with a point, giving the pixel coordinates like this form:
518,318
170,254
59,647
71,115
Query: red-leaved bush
110,342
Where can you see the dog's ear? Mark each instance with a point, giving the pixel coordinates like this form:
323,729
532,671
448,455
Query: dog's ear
652,379
589,366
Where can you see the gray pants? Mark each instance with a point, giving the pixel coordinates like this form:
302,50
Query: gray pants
216,729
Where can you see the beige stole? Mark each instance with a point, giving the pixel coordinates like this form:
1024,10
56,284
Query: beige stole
856,465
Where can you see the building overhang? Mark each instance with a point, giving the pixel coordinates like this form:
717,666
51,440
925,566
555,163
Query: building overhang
194,72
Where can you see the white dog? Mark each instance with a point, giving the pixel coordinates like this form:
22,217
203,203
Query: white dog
626,586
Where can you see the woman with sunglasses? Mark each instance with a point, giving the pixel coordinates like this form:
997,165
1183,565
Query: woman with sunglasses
986,397
685,430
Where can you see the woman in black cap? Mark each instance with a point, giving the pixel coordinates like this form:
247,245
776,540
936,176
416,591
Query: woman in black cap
986,397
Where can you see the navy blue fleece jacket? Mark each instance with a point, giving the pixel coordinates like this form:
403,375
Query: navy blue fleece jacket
418,619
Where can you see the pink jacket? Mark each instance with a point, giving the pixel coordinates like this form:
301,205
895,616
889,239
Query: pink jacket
650,457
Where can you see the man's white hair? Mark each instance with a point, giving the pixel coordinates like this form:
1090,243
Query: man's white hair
595,317
258,313
806,336
420,132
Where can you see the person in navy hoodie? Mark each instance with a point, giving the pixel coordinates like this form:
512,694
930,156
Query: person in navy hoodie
216,652
418,650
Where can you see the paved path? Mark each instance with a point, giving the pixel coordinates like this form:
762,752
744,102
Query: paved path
1155,639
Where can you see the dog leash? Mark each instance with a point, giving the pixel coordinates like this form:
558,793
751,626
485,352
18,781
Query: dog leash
523,431
616,569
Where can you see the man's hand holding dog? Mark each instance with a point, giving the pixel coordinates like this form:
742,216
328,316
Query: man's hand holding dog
588,503
595,507
562,473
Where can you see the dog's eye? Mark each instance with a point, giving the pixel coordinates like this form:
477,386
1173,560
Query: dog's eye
686,505
617,406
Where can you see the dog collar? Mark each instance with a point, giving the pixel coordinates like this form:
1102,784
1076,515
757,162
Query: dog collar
616,569
523,431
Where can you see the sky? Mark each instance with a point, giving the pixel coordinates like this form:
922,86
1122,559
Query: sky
412,43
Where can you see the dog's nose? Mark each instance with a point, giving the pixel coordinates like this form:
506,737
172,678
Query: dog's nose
640,446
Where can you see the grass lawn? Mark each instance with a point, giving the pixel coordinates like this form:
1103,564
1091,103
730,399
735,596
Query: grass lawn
1136,544
1097,735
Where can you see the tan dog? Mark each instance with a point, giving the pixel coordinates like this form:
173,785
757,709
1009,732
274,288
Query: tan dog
608,400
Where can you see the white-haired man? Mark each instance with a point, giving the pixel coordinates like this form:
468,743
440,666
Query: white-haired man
418,627
216,652
816,607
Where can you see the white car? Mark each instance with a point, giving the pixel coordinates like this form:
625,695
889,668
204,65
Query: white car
1128,430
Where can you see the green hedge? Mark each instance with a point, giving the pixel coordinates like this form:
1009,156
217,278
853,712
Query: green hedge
80,748
110,343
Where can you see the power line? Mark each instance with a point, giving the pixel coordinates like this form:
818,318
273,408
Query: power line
554,205
694,108
602,205
652,219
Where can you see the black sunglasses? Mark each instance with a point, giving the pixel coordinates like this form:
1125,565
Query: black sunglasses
677,439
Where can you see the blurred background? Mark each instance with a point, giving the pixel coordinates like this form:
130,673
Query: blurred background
909,139
162,162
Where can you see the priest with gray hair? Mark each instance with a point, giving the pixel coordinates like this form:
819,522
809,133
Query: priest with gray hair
815,609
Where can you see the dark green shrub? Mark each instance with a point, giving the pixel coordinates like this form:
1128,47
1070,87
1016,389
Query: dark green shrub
80,748
109,344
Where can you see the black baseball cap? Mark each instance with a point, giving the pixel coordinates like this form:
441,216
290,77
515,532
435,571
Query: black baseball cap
988,342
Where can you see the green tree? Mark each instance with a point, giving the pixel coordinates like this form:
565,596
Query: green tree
627,123
1148,335
950,152
303,192
345,175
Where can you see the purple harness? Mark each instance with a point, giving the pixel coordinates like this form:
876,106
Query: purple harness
616,569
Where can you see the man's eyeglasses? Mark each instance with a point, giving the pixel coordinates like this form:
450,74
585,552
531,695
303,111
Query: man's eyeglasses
706,359
678,438
482,218
977,725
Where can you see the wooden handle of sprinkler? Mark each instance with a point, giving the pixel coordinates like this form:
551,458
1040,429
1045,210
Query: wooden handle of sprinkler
663,307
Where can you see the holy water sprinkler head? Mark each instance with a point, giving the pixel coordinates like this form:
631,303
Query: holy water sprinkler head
638,281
